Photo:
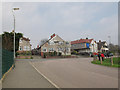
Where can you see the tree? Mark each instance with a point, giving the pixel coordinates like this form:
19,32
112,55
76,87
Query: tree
43,41
8,40
113,48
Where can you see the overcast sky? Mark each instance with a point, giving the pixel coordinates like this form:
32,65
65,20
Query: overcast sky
71,21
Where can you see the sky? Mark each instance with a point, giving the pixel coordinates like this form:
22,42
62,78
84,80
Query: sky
69,20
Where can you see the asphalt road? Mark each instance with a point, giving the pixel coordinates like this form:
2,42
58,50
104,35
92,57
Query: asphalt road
25,76
77,73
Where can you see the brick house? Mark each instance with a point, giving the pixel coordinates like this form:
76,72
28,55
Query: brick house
56,43
84,46
24,44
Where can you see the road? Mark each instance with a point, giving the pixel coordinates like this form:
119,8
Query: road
25,76
63,73
78,73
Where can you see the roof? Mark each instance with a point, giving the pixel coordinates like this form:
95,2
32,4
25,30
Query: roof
47,40
100,44
26,39
82,41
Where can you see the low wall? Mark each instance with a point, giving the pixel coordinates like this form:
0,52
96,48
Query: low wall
23,57
61,56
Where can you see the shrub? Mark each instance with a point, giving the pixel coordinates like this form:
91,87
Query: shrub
16,54
44,55
55,53
31,57
74,52
59,54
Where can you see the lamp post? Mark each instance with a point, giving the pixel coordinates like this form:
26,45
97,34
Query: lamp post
14,31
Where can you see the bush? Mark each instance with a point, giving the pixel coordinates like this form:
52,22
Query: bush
55,53
74,52
44,55
59,54
31,57
16,54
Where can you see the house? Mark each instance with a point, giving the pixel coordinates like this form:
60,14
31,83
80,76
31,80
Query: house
24,44
84,46
56,43
102,46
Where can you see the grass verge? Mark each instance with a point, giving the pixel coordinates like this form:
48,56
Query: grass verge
107,62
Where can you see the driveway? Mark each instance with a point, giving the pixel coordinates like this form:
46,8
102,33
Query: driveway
77,73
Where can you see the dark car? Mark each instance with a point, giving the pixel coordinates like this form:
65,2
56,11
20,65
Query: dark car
111,54
91,54
108,54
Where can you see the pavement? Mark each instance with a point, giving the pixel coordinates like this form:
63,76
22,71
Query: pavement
25,76
0,85
78,73
62,73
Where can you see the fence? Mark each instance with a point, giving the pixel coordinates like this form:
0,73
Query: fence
0,63
7,60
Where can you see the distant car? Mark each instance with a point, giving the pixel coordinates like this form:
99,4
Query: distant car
111,54
108,54
91,54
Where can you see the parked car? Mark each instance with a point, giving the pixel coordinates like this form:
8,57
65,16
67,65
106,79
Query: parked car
91,54
108,54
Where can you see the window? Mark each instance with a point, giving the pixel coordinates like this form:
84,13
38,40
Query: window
67,43
44,49
28,48
20,40
25,48
51,49
60,49
60,43
20,48
51,42
56,41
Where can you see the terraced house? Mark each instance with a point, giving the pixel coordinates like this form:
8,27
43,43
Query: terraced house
56,43
84,46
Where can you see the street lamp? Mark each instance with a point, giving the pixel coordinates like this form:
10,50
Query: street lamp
14,30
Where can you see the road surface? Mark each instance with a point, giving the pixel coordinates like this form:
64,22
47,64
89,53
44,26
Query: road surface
78,73
63,73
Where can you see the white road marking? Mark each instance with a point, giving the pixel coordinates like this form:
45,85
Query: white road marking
45,77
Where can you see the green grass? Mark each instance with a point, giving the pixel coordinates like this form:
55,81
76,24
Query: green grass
107,62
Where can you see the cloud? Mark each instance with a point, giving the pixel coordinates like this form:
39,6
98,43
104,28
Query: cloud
71,21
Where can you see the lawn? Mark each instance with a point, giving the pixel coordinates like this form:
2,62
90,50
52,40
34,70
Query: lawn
107,62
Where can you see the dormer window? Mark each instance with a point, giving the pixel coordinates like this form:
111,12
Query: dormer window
20,40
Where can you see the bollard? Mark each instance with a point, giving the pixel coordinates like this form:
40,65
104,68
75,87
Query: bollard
100,60
111,60
94,58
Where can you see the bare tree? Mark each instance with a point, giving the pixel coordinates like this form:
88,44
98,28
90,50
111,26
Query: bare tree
43,41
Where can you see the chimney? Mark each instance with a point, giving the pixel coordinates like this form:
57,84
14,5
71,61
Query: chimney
37,46
52,35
